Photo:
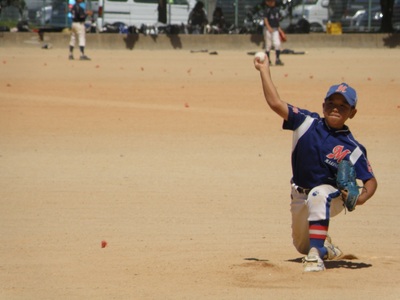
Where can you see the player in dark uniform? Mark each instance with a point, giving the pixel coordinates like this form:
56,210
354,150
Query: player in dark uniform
319,144
78,30
271,30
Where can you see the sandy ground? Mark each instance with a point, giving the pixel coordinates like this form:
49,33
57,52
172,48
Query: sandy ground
174,159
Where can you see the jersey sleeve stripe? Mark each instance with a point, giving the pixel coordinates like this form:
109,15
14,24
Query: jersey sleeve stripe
301,130
355,155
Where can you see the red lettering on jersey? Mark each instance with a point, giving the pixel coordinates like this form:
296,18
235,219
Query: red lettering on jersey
295,110
338,154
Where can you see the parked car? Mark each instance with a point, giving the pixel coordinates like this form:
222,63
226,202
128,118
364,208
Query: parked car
354,6
316,12
356,12
141,13
360,21
366,20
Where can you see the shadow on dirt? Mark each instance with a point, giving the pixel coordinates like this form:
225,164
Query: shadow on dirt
131,40
336,264
392,40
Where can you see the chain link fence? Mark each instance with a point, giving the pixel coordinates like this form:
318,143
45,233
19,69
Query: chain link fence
352,15
39,13
243,16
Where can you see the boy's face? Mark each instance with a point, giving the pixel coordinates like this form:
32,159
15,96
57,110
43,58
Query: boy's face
270,3
337,111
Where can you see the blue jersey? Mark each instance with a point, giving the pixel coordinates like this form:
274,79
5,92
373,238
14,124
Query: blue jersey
318,149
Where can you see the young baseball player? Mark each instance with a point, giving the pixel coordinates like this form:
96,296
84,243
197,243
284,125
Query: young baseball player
272,17
78,30
319,144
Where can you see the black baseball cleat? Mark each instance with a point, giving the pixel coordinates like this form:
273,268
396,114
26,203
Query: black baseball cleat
278,62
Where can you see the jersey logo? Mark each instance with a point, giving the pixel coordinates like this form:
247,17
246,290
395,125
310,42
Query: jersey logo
338,153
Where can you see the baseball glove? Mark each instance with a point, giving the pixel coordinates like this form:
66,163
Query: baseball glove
346,181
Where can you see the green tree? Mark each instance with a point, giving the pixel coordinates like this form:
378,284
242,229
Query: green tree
20,4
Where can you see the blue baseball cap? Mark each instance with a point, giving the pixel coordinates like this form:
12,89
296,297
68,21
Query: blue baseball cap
344,89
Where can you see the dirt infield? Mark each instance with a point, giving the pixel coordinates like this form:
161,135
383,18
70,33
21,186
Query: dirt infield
174,159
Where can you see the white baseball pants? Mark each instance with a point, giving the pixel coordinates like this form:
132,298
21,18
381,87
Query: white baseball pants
322,203
78,31
272,39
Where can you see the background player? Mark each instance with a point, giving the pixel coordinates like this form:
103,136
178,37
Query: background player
78,30
272,17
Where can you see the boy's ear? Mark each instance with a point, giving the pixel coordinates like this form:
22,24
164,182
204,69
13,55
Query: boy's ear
353,113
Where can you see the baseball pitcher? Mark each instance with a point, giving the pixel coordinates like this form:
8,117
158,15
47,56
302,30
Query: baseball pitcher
320,146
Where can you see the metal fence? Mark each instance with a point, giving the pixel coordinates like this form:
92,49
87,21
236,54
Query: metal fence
38,13
244,15
353,15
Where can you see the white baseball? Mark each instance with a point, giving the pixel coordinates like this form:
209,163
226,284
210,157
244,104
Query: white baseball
260,56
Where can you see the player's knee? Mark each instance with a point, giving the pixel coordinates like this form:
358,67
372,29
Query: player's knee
317,203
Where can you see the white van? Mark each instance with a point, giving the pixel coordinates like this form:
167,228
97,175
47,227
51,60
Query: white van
316,12
142,12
